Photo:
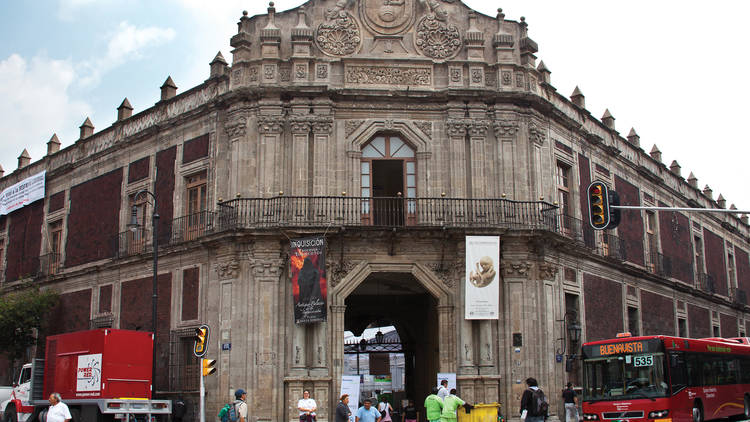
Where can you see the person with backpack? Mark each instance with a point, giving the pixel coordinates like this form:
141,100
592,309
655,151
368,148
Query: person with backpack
237,410
534,404
571,404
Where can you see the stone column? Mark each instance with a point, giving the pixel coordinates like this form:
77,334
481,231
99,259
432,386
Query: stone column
300,129
267,265
506,129
269,154
241,154
519,313
537,136
322,128
446,316
478,139
456,129
335,332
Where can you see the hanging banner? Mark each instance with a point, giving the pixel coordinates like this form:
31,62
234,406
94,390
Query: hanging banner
308,271
22,193
350,386
482,279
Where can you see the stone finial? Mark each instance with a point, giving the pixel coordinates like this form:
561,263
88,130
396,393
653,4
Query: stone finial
53,145
242,41
655,153
219,66
608,119
675,168
87,129
24,159
125,110
692,180
744,218
270,36
733,207
302,36
168,89
578,98
633,138
2,172
542,68
721,201
474,39
503,41
708,192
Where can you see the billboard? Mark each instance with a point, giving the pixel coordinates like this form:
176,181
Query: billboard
22,193
482,278
308,272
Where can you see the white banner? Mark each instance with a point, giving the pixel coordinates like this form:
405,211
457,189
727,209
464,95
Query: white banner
448,376
22,193
350,386
482,278
89,373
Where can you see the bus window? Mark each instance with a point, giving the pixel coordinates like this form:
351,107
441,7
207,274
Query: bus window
694,371
677,371
732,368
745,370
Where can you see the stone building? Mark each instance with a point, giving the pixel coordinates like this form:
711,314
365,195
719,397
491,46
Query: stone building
395,128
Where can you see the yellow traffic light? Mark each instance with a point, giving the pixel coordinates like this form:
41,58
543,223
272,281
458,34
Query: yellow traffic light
208,366
598,205
201,341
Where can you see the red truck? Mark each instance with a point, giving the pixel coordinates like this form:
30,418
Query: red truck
102,375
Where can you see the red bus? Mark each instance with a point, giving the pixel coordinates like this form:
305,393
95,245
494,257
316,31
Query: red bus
665,379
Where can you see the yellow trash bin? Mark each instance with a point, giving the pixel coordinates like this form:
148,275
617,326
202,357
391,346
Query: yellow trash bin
480,413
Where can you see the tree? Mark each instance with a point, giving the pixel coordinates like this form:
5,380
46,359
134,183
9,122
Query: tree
22,316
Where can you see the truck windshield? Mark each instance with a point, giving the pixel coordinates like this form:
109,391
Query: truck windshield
624,377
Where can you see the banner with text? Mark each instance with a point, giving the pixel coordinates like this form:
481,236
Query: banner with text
308,272
350,386
482,280
22,193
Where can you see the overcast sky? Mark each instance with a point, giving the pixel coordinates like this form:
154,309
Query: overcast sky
673,70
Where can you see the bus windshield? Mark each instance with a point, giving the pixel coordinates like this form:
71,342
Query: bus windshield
619,377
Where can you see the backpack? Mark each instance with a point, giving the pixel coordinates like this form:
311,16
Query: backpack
229,413
539,404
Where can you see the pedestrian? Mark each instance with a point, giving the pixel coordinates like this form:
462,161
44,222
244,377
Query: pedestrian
306,407
385,409
342,409
367,413
571,404
241,405
411,414
58,411
433,405
450,405
443,390
533,402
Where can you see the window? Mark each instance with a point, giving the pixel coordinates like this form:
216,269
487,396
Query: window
682,327
698,255
633,321
55,246
563,192
717,333
136,236
732,271
196,206
651,248
184,367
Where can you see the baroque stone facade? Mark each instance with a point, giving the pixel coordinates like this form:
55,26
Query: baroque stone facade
395,128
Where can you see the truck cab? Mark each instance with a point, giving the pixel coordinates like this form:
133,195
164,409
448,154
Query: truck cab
16,407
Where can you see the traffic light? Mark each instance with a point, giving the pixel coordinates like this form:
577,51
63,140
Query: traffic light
599,205
614,213
208,366
201,341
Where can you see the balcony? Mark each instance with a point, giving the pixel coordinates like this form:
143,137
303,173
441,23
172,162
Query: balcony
50,264
706,283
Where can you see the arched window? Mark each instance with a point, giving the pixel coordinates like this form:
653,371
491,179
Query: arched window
388,175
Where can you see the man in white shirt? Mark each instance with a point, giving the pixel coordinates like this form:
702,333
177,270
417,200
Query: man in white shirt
306,407
443,390
58,411
240,395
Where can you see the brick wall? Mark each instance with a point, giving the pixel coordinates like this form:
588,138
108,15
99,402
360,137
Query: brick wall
657,314
24,242
135,314
742,262
56,202
699,322
630,229
716,265
190,291
164,191
728,326
138,169
676,244
603,307
194,149
584,174
72,313
94,219
105,298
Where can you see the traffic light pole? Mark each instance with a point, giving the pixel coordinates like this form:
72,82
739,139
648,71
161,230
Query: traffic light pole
203,395
705,210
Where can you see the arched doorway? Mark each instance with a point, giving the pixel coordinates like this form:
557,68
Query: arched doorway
388,175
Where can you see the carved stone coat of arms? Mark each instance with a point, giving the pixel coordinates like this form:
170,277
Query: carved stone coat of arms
388,17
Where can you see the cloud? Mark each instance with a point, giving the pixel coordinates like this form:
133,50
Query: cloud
36,102
127,43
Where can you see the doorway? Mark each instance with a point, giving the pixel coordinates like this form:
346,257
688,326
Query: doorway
387,191
401,360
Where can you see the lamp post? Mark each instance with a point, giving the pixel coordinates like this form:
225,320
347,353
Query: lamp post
134,224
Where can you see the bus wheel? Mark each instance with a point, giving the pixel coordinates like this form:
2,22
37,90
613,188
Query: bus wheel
697,412
747,406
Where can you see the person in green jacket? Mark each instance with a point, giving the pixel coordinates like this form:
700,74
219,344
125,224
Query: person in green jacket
434,405
450,404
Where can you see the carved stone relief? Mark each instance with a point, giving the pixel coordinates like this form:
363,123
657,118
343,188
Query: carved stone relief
490,79
516,269
270,124
507,76
547,272
300,71
285,73
227,269
387,17
425,127
339,35
476,76
519,80
505,129
351,125
435,37
269,71
338,270
236,124
456,73
253,74
387,75
321,71
536,134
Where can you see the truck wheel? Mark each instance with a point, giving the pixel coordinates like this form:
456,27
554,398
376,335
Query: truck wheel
43,416
10,415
